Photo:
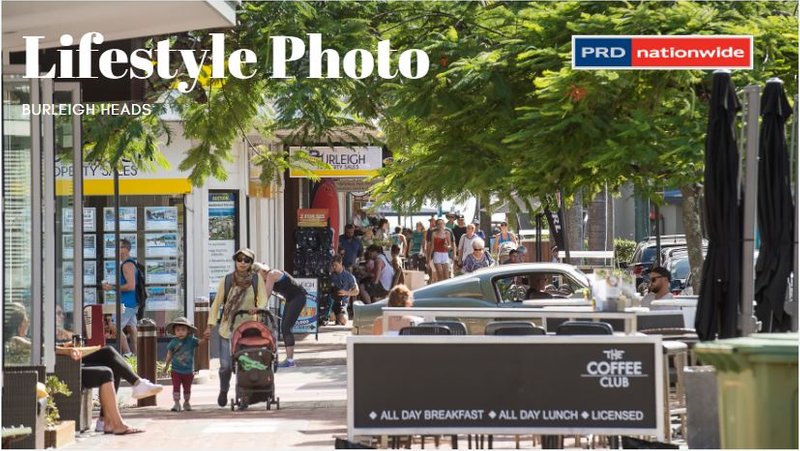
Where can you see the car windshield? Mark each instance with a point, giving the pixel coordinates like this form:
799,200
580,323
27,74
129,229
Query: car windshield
540,285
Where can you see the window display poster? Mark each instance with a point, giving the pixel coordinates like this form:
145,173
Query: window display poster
110,297
220,262
161,218
161,271
161,245
67,270
162,298
89,219
89,296
221,216
68,246
90,246
109,249
127,219
110,272
68,300
221,235
90,272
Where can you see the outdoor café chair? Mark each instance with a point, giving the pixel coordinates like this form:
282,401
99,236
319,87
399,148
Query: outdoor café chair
426,330
456,327
514,328
584,328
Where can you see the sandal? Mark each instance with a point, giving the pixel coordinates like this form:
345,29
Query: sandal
130,430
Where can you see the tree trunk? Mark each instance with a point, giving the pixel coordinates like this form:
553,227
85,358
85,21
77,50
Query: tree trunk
694,232
597,227
573,217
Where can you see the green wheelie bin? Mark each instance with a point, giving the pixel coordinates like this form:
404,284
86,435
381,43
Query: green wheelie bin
757,383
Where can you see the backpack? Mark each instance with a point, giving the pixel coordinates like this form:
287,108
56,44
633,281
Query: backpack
141,288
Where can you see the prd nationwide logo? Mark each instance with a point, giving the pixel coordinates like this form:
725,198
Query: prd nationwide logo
662,52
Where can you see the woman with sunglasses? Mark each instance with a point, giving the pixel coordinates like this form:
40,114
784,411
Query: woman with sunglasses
479,258
240,296
280,282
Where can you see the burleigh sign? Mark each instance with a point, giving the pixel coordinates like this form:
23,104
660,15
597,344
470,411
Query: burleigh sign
143,63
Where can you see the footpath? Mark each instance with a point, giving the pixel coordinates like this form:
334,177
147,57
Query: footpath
312,411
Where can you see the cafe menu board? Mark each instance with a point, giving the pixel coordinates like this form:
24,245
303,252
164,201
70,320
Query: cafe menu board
609,385
221,236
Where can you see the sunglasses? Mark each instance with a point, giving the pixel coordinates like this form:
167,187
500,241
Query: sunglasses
656,278
247,260
477,249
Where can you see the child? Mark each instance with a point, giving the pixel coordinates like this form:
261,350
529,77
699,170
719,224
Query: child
180,352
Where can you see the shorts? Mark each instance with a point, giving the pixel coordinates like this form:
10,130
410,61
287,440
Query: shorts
129,317
376,290
441,258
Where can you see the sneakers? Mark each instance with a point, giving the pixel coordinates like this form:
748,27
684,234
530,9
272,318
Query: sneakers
287,364
222,399
128,354
186,406
176,407
99,426
144,388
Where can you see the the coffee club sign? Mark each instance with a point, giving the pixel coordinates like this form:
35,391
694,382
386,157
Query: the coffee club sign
478,384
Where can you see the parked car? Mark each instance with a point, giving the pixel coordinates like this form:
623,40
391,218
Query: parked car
644,256
498,286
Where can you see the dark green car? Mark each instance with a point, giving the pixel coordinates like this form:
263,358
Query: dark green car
498,286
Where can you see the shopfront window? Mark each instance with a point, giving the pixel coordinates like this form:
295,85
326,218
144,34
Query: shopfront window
155,227
67,305
17,221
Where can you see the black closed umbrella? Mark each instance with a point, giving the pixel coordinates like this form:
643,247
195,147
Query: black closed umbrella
718,303
776,212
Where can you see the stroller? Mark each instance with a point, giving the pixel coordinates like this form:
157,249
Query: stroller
254,360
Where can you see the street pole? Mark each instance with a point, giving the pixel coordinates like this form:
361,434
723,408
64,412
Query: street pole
747,322
117,267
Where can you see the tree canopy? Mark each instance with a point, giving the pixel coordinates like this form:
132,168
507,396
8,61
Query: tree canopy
501,111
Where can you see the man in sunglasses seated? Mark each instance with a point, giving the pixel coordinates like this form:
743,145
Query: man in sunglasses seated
660,279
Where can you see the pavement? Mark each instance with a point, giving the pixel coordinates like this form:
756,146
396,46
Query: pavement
312,408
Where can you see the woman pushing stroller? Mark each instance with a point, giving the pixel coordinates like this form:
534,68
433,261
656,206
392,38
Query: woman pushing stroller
242,289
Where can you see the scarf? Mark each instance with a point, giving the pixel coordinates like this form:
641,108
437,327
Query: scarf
234,299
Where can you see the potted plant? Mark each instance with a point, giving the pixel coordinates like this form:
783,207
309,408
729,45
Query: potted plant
57,433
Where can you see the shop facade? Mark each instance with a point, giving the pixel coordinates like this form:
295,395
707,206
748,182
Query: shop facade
55,252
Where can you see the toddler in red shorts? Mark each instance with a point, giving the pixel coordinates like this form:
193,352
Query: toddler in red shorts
180,353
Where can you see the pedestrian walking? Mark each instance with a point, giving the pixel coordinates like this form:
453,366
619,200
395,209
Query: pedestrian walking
180,353
127,280
240,290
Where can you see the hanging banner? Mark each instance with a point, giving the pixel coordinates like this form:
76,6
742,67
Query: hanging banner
554,221
221,237
307,322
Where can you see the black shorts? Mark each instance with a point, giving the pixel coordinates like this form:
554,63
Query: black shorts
376,290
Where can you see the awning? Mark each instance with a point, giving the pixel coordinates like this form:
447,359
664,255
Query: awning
115,20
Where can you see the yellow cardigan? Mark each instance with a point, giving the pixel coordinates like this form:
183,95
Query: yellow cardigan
247,304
